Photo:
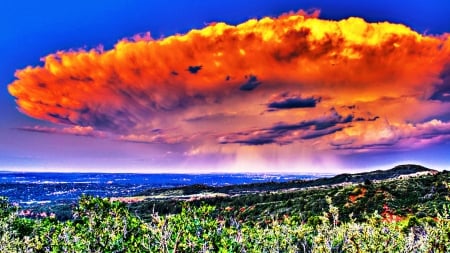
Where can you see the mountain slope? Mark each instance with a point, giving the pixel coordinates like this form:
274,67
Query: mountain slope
398,192
401,170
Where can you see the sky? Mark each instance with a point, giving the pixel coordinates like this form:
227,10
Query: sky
224,86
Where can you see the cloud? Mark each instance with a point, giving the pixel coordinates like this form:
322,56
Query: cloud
75,130
283,133
291,101
442,92
157,138
385,136
194,69
211,116
216,81
251,84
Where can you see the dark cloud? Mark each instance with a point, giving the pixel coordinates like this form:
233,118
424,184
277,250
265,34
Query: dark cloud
208,117
442,92
194,69
283,133
323,132
251,138
251,84
291,101
373,147
60,118
287,55
82,79
373,118
442,95
363,118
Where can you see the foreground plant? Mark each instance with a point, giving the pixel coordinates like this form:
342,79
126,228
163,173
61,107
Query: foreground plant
101,225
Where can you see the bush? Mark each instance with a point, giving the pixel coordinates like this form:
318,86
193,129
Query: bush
101,225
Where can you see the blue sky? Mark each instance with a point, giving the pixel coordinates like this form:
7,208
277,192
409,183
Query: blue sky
30,30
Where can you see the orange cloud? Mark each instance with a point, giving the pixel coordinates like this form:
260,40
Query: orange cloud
358,68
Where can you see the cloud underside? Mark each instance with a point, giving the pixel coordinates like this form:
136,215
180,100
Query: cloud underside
343,86
282,133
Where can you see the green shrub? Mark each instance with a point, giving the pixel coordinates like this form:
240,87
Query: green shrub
101,225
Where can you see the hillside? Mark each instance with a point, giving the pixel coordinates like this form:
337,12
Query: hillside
401,191
398,171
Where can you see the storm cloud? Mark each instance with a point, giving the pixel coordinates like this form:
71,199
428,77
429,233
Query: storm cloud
262,82
291,101
283,133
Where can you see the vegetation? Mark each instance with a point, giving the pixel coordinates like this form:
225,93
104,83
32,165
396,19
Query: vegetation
419,195
395,215
101,225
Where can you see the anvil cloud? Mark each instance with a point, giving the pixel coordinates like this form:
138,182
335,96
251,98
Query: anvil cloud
338,86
